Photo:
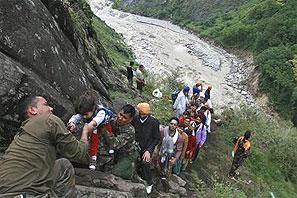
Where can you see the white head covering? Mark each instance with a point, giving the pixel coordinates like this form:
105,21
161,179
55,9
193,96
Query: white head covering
157,93
201,95
208,102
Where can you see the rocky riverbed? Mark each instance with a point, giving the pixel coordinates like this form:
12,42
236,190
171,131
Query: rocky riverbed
164,48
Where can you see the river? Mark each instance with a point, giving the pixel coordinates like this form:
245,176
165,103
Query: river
164,48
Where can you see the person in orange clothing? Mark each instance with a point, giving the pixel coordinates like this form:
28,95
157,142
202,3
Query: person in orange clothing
241,150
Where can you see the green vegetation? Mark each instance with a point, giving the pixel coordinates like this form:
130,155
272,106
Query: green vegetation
117,51
218,189
222,190
179,10
117,4
86,24
272,166
161,108
119,94
81,16
267,28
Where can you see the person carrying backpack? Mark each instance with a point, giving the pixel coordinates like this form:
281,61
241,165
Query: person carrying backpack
94,117
241,150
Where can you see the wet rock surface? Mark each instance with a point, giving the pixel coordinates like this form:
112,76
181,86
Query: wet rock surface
42,53
102,180
96,183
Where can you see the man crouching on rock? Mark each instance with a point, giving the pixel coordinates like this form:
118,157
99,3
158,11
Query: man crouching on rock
30,167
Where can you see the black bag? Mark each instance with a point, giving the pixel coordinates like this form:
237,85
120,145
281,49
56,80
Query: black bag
234,140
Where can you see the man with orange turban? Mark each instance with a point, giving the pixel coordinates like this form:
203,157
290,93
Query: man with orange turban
147,135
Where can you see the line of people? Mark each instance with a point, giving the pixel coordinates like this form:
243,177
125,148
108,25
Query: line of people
139,76
186,133
34,164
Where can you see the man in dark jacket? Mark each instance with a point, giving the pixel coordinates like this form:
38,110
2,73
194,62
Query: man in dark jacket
207,93
130,73
147,135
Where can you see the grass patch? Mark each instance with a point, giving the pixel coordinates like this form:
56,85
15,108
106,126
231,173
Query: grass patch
116,50
120,94
271,166
161,108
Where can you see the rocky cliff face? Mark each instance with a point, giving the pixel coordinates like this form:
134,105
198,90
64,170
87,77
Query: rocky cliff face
49,48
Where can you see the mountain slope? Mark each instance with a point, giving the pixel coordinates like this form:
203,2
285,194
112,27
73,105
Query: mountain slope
177,10
266,28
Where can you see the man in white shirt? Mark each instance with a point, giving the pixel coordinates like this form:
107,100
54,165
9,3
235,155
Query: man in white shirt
140,78
180,104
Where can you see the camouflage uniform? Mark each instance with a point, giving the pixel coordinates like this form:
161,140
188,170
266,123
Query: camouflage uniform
122,140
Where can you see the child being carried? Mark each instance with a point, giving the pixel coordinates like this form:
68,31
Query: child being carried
94,117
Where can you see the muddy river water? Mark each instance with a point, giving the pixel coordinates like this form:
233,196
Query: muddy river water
164,48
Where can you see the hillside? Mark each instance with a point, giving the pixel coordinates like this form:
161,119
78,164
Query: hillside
266,28
59,49
178,10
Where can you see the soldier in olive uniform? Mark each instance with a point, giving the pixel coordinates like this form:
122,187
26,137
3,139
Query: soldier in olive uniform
30,168
122,140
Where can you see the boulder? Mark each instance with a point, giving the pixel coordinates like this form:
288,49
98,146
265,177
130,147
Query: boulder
99,179
178,180
91,192
176,189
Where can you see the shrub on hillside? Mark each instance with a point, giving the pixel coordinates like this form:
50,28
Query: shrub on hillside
278,78
273,159
284,153
269,29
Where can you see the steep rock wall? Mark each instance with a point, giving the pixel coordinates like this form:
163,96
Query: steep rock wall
44,52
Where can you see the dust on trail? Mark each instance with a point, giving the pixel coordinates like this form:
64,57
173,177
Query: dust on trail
164,48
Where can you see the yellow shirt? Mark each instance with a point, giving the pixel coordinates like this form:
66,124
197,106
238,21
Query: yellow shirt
246,145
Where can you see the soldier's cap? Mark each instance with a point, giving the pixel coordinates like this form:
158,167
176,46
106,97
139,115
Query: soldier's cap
144,108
